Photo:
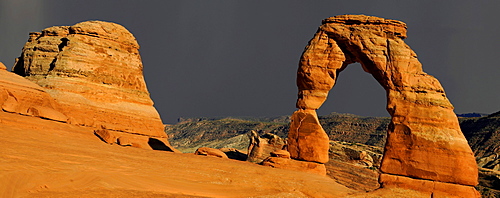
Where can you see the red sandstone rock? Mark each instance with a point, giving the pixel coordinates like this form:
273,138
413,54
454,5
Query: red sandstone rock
18,95
106,136
94,70
424,138
290,164
433,188
260,147
233,153
281,154
157,143
210,152
134,140
306,139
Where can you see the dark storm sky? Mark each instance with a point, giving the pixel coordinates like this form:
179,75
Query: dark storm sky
239,58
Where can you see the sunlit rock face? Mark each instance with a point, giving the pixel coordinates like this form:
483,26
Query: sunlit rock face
21,96
424,139
94,71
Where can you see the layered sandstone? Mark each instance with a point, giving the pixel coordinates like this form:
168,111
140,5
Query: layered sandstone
261,147
296,165
306,139
18,95
206,151
424,139
94,70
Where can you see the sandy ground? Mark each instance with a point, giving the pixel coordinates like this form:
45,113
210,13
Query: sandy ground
42,158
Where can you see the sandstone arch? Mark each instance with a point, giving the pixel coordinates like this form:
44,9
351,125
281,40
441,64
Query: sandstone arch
425,148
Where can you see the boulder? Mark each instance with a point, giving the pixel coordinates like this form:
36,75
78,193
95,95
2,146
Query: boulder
134,140
366,159
281,154
364,155
107,136
210,152
260,147
137,141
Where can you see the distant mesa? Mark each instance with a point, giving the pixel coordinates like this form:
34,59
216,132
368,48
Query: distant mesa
472,115
425,148
93,70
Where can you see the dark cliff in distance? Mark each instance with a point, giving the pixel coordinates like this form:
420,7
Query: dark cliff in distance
190,133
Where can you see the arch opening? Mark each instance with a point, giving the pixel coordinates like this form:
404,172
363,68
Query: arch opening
356,92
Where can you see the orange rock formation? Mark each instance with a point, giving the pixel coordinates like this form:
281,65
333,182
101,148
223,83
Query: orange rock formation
425,149
18,95
94,71
261,147
206,151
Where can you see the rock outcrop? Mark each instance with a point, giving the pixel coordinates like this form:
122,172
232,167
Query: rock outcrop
235,154
306,139
261,147
210,152
18,95
425,149
94,71
359,154
296,165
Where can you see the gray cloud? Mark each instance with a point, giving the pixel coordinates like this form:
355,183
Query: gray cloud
218,58
17,19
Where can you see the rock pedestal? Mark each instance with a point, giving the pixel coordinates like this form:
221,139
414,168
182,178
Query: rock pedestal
307,140
424,141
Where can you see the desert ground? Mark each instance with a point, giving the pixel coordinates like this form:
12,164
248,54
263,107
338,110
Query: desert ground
43,158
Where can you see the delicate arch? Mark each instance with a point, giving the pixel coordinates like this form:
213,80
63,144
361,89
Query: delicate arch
424,138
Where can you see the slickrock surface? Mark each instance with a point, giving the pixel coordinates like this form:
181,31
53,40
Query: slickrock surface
296,165
94,70
18,95
43,158
424,138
